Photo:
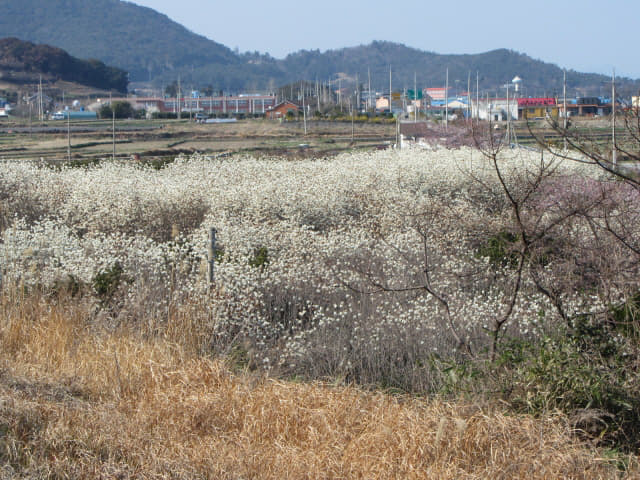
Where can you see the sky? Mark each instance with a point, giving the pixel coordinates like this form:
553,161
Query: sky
584,35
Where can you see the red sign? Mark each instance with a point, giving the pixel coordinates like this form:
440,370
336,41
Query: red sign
534,102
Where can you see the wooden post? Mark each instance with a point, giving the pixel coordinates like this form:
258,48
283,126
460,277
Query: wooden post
212,255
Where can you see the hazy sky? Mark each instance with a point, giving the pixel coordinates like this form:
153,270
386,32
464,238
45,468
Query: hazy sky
585,35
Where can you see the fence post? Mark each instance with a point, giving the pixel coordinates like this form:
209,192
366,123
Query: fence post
212,255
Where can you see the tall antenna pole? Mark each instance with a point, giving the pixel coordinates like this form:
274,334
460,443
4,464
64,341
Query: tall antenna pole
614,153
446,102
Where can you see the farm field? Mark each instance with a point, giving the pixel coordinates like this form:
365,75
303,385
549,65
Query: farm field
423,313
155,139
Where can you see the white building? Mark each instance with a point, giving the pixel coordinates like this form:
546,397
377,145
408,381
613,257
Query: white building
496,109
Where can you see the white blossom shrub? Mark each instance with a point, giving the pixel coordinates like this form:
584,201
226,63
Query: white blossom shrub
364,266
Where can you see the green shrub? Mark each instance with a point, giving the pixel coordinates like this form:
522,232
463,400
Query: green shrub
585,373
499,249
260,257
107,281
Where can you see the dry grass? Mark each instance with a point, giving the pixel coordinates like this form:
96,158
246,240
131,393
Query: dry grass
78,402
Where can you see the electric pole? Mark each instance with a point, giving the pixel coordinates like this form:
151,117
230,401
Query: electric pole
614,153
446,102
564,109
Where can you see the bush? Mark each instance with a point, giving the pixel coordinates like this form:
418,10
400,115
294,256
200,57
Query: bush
106,282
122,110
499,249
164,115
585,373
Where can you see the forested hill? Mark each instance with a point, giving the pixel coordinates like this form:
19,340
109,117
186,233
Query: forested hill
151,46
137,39
494,68
19,58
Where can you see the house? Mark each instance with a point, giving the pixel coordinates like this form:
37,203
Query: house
382,103
537,107
437,93
5,108
282,109
495,109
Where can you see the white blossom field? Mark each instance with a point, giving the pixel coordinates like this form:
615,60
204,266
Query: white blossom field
364,266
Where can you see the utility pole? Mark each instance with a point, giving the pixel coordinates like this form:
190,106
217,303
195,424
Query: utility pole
477,96
415,97
40,101
179,99
508,118
390,92
357,92
469,96
69,136
489,113
369,91
446,102
564,109
352,125
304,112
614,153
113,128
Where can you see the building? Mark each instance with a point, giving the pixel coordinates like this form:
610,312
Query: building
495,109
537,108
282,110
231,105
5,108
587,106
382,103
438,93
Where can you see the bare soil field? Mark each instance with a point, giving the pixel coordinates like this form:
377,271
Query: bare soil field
164,138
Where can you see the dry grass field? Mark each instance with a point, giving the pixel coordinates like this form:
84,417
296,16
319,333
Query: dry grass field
77,401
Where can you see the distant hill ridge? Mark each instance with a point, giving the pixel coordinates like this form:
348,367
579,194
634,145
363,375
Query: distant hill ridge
23,60
152,47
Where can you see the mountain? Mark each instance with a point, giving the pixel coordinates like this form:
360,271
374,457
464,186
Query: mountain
24,62
151,47
137,39
494,68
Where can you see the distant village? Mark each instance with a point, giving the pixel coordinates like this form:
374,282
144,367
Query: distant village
435,102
